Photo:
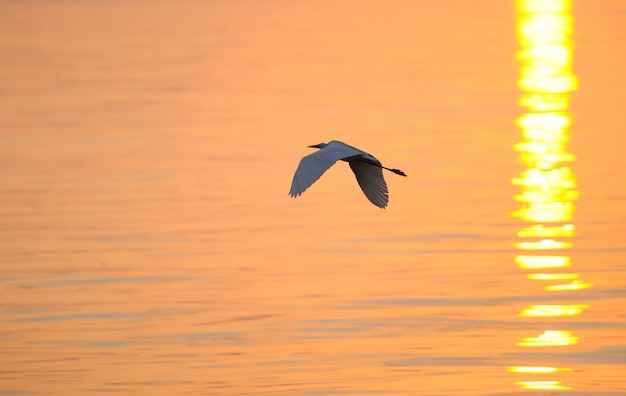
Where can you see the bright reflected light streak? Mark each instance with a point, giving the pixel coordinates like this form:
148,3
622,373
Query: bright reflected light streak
544,6
550,277
554,310
546,196
536,369
543,156
539,230
546,212
546,78
544,102
542,385
556,181
543,244
548,184
545,126
575,285
550,338
540,262
531,150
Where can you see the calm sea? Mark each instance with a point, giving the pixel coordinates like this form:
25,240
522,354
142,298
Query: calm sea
148,245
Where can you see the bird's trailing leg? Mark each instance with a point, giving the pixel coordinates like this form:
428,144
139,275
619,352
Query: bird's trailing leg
396,171
375,163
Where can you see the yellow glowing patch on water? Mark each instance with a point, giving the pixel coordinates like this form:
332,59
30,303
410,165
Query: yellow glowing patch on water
543,244
549,84
542,385
545,29
534,149
547,67
547,196
536,369
540,230
559,6
550,338
536,262
548,186
553,180
552,276
554,310
575,285
545,126
546,212
543,102
546,51
546,78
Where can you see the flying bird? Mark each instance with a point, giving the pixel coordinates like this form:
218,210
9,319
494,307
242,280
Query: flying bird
367,169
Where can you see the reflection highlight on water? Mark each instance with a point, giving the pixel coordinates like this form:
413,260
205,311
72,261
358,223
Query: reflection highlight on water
548,183
550,338
539,262
543,385
541,230
554,310
542,370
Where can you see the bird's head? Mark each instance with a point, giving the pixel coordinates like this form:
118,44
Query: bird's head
319,146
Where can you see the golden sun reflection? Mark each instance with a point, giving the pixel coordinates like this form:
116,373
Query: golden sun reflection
575,285
536,262
546,211
536,370
554,310
548,186
550,338
542,245
540,230
542,385
552,276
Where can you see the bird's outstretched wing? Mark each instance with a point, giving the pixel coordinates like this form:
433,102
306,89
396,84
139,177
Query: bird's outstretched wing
370,178
313,166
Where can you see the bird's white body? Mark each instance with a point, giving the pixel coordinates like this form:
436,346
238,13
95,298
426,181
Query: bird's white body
367,169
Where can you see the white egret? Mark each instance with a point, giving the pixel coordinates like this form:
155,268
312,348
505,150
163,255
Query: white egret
367,169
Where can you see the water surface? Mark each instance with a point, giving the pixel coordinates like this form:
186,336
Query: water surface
149,246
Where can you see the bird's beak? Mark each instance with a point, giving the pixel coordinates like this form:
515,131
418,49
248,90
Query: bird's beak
315,146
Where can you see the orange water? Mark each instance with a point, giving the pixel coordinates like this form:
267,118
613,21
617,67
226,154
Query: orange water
149,246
